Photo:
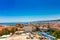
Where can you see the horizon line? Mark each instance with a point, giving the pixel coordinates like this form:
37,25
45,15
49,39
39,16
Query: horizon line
31,21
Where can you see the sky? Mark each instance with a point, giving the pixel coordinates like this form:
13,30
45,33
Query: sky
29,10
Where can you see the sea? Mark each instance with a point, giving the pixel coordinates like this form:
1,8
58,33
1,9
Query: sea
13,23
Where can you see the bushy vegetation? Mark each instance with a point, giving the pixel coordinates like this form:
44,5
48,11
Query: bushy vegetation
6,31
1,32
51,30
56,33
13,30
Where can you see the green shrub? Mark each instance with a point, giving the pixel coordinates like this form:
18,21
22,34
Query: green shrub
6,31
56,33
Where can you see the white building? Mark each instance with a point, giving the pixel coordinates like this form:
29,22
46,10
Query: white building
29,28
43,28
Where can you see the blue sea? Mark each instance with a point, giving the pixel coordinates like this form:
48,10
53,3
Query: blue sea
14,23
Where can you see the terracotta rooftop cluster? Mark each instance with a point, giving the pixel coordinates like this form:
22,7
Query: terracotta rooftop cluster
2,28
55,25
51,25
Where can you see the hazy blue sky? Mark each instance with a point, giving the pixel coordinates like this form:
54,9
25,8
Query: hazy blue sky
29,10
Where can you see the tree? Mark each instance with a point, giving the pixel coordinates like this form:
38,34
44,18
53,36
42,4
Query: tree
13,30
6,31
56,34
1,32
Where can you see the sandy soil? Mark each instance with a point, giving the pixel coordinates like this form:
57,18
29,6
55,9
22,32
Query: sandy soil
20,37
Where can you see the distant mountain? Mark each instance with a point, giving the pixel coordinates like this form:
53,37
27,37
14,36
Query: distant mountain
47,21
